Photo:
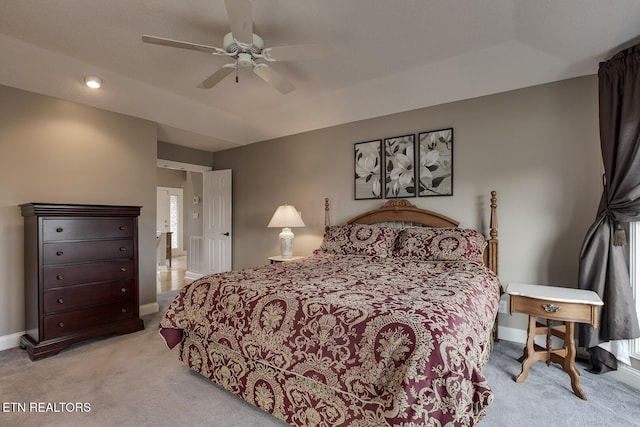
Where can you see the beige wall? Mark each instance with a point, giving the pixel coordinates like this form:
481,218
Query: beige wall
537,147
61,152
170,178
177,153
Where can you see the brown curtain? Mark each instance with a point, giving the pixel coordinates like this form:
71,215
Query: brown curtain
603,258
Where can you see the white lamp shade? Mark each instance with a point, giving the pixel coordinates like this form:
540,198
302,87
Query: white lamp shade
286,216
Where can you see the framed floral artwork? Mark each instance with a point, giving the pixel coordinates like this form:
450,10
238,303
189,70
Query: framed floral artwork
368,170
435,163
400,175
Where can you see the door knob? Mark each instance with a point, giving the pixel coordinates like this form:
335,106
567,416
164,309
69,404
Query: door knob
225,234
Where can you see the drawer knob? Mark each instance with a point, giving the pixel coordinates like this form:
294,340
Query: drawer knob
60,301
123,290
550,308
59,253
124,310
123,269
122,228
59,277
59,229
122,249
60,325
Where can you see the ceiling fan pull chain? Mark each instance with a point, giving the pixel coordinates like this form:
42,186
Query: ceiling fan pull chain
236,74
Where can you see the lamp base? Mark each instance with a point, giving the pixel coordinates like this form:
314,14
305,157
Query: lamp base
286,243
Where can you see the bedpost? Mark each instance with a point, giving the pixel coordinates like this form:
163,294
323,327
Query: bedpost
493,233
327,220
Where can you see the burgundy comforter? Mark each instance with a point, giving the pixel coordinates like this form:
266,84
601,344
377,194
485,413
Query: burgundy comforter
408,337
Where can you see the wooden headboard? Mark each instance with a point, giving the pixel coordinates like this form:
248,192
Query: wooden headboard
402,213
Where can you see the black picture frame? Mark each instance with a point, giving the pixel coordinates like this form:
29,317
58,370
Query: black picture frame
434,163
368,170
399,167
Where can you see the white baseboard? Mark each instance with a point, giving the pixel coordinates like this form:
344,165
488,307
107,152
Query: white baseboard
10,341
512,334
192,275
627,375
152,307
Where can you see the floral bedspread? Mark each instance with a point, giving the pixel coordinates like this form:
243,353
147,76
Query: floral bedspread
409,336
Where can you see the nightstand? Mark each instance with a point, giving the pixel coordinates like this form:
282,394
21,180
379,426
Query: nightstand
278,258
553,304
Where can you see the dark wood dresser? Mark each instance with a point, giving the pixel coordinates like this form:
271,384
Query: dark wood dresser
81,274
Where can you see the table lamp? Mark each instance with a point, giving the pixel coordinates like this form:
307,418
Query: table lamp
286,216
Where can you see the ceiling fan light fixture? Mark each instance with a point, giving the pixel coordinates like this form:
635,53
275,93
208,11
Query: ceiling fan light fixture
245,60
93,82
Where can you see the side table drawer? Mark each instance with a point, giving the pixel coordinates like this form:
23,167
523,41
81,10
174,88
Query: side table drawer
563,311
58,325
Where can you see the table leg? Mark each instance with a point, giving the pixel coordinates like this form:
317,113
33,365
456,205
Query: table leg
529,351
569,365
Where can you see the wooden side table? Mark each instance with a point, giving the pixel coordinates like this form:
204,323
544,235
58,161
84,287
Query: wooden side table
278,258
169,244
553,304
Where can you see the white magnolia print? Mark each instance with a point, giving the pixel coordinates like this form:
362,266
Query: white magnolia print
367,170
400,167
435,169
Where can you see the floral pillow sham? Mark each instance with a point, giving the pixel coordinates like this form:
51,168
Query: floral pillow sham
440,244
358,239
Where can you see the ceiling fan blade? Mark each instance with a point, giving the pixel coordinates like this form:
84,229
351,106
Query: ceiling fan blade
299,52
216,77
240,20
182,45
270,76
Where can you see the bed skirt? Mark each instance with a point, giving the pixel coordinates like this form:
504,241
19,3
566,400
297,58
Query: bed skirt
295,399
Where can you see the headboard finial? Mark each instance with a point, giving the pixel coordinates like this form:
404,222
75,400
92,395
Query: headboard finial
327,220
493,223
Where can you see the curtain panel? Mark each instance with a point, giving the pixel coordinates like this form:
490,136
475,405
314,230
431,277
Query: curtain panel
603,259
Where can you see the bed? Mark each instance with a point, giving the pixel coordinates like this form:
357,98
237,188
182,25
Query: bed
389,323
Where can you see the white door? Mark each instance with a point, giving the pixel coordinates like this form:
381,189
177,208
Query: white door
216,220
162,210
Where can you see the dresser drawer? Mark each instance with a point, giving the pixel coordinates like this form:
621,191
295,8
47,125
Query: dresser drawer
74,297
70,252
102,271
86,228
58,325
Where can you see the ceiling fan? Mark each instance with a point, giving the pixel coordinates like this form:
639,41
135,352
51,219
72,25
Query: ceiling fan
247,49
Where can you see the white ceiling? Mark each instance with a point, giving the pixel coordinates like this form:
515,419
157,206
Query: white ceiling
388,56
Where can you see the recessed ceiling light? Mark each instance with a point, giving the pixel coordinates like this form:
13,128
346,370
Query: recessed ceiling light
93,82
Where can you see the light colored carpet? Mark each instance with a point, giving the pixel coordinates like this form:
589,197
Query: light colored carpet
132,380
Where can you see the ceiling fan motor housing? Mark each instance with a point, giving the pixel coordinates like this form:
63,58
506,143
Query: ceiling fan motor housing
231,46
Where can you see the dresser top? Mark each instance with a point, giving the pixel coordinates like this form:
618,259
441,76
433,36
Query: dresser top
62,209
554,293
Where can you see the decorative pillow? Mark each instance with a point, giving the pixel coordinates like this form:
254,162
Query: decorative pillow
440,244
358,239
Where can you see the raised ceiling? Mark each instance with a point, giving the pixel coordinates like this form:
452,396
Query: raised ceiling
388,56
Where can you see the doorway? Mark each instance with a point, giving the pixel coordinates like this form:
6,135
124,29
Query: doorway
203,245
169,218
